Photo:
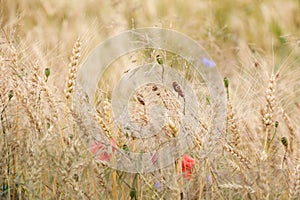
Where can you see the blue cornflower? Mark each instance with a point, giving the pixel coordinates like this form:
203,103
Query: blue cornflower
208,63
157,185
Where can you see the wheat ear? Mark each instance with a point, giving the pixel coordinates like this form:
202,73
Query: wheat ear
70,82
268,111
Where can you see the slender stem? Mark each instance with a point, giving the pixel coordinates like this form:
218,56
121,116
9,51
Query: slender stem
269,144
179,179
284,157
162,73
114,185
64,123
266,139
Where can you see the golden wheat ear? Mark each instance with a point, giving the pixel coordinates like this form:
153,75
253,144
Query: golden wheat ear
268,111
70,82
232,125
294,183
73,67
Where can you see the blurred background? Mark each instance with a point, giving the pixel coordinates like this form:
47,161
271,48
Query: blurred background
227,29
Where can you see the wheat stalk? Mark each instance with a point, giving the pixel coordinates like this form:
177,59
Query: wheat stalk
232,123
235,153
291,130
268,111
294,184
70,82
73,67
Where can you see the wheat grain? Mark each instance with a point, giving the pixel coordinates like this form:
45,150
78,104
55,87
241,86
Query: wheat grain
235,186
73,67
232,123
294,184
268,111
269,108
243,159
291,130
104,127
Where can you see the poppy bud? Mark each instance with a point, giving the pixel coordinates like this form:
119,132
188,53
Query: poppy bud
226,82
133,193
276,124
10,94
284,141
159,59
47,72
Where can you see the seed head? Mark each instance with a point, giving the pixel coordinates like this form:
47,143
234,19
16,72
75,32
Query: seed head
47,72
178,89
133,193
284,141
226,82
10,95
159,59
140,99
154,88
125,147
276,124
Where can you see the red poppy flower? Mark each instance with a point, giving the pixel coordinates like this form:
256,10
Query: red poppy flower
187,165
104,155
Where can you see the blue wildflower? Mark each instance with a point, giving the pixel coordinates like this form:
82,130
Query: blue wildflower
208,180
208,63
157,185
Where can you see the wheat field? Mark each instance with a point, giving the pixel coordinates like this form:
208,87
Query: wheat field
44,150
